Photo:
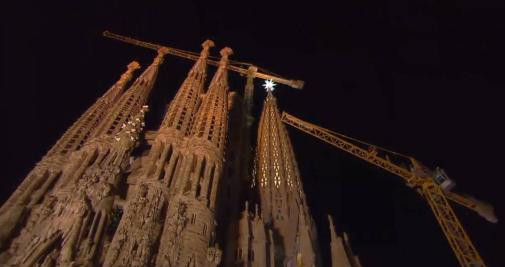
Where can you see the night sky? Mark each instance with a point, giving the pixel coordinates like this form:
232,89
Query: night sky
424,78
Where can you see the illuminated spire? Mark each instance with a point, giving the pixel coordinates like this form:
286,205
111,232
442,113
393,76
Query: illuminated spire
212,119
80,131
197,181
277,172
183,107
280,188
132,100
40,179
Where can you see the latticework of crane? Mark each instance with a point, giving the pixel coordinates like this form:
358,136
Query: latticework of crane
233,65
463,248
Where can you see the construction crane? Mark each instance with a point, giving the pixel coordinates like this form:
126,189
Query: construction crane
434,186
233,66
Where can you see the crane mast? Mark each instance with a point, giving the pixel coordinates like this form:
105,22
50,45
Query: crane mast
437,198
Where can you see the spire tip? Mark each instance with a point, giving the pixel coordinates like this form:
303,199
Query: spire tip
330,219
133,65
225,52
207,43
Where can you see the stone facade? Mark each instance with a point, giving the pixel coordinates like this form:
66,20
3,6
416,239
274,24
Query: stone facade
41,178
65,215
187,200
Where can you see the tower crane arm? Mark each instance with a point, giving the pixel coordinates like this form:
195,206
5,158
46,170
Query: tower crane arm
297,84
412,180
436,197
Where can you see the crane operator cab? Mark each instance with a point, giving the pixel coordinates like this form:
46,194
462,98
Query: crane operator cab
441,178
438,175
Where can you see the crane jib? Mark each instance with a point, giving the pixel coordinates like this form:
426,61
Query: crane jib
297,84
463,248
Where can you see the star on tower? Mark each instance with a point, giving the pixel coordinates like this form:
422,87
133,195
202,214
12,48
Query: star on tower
269,85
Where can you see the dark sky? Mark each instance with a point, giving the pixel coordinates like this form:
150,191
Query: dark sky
420,77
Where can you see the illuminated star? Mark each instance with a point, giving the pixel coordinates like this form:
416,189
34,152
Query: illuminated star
269,85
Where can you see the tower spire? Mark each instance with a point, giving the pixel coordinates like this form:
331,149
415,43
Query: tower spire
197,182
141,226
183,107
132,100
178,120
42,177
280,188
211,121
85,206
81,130
71,140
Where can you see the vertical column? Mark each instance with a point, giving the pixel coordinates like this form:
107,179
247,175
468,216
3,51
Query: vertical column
189,232
138,231
281,193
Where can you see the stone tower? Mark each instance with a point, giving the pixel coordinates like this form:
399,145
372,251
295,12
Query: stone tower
282,199
68,223
189,231
140,227
41,178
109,194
